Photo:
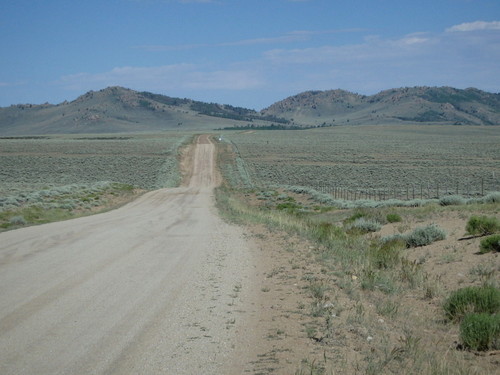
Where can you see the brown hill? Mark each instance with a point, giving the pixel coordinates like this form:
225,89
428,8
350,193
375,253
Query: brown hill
117,109
416,105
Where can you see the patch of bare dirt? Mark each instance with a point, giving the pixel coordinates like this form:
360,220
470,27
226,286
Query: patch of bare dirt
366,330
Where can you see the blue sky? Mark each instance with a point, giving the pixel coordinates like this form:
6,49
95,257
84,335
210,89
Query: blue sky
248,53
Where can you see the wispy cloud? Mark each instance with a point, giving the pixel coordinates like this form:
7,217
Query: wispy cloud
446,58
375,63
474,26
168,77
290,37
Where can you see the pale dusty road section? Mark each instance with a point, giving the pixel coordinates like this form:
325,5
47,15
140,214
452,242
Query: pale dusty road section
156,287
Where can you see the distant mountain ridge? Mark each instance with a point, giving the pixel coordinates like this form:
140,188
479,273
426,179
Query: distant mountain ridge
416,105
117,109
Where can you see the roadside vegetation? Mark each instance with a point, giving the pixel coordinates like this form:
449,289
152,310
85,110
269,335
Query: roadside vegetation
379,289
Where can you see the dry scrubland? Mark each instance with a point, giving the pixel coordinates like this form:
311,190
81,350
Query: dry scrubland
46,178
371,287
353,287
369,158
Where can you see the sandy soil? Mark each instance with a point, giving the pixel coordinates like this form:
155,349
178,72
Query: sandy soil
159,286
290,265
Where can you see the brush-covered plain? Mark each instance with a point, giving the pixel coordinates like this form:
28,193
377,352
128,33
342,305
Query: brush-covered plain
412,159
79,173
370,279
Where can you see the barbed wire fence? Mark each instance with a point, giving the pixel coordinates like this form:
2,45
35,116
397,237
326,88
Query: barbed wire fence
470,189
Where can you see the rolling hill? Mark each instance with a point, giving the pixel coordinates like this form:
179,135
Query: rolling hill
119,110
414,105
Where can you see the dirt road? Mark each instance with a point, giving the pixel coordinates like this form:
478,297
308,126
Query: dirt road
158,286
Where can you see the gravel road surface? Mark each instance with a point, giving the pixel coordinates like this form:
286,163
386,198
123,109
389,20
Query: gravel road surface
159,286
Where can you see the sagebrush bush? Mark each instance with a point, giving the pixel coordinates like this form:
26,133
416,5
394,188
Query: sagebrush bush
17,220
365,225
474,299
423,236
393,237
491,243
354,217
491,197
452,200
480,331
482,225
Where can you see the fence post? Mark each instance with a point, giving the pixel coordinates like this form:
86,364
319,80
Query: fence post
482,186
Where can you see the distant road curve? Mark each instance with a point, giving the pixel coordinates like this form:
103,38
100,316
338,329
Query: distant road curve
150,288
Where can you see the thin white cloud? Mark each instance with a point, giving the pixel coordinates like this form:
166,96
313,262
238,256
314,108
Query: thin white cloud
373,49
13,84
447,58
371,65
474,26
168,77
290,37
222,80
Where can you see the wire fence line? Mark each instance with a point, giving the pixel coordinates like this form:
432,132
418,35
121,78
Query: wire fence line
471,189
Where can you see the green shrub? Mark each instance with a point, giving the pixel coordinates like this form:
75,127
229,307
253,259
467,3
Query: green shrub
325,232
482,225
386,255
393,218
491,243
452,200
288,206
423,236
480,331
474,299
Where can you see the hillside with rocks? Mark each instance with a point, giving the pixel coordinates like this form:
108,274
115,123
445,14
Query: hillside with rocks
122,110
444,105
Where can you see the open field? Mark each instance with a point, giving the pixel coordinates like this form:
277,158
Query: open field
80,173
333,297
363,289
366,159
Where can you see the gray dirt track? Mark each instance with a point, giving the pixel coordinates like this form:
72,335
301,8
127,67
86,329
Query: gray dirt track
156,287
